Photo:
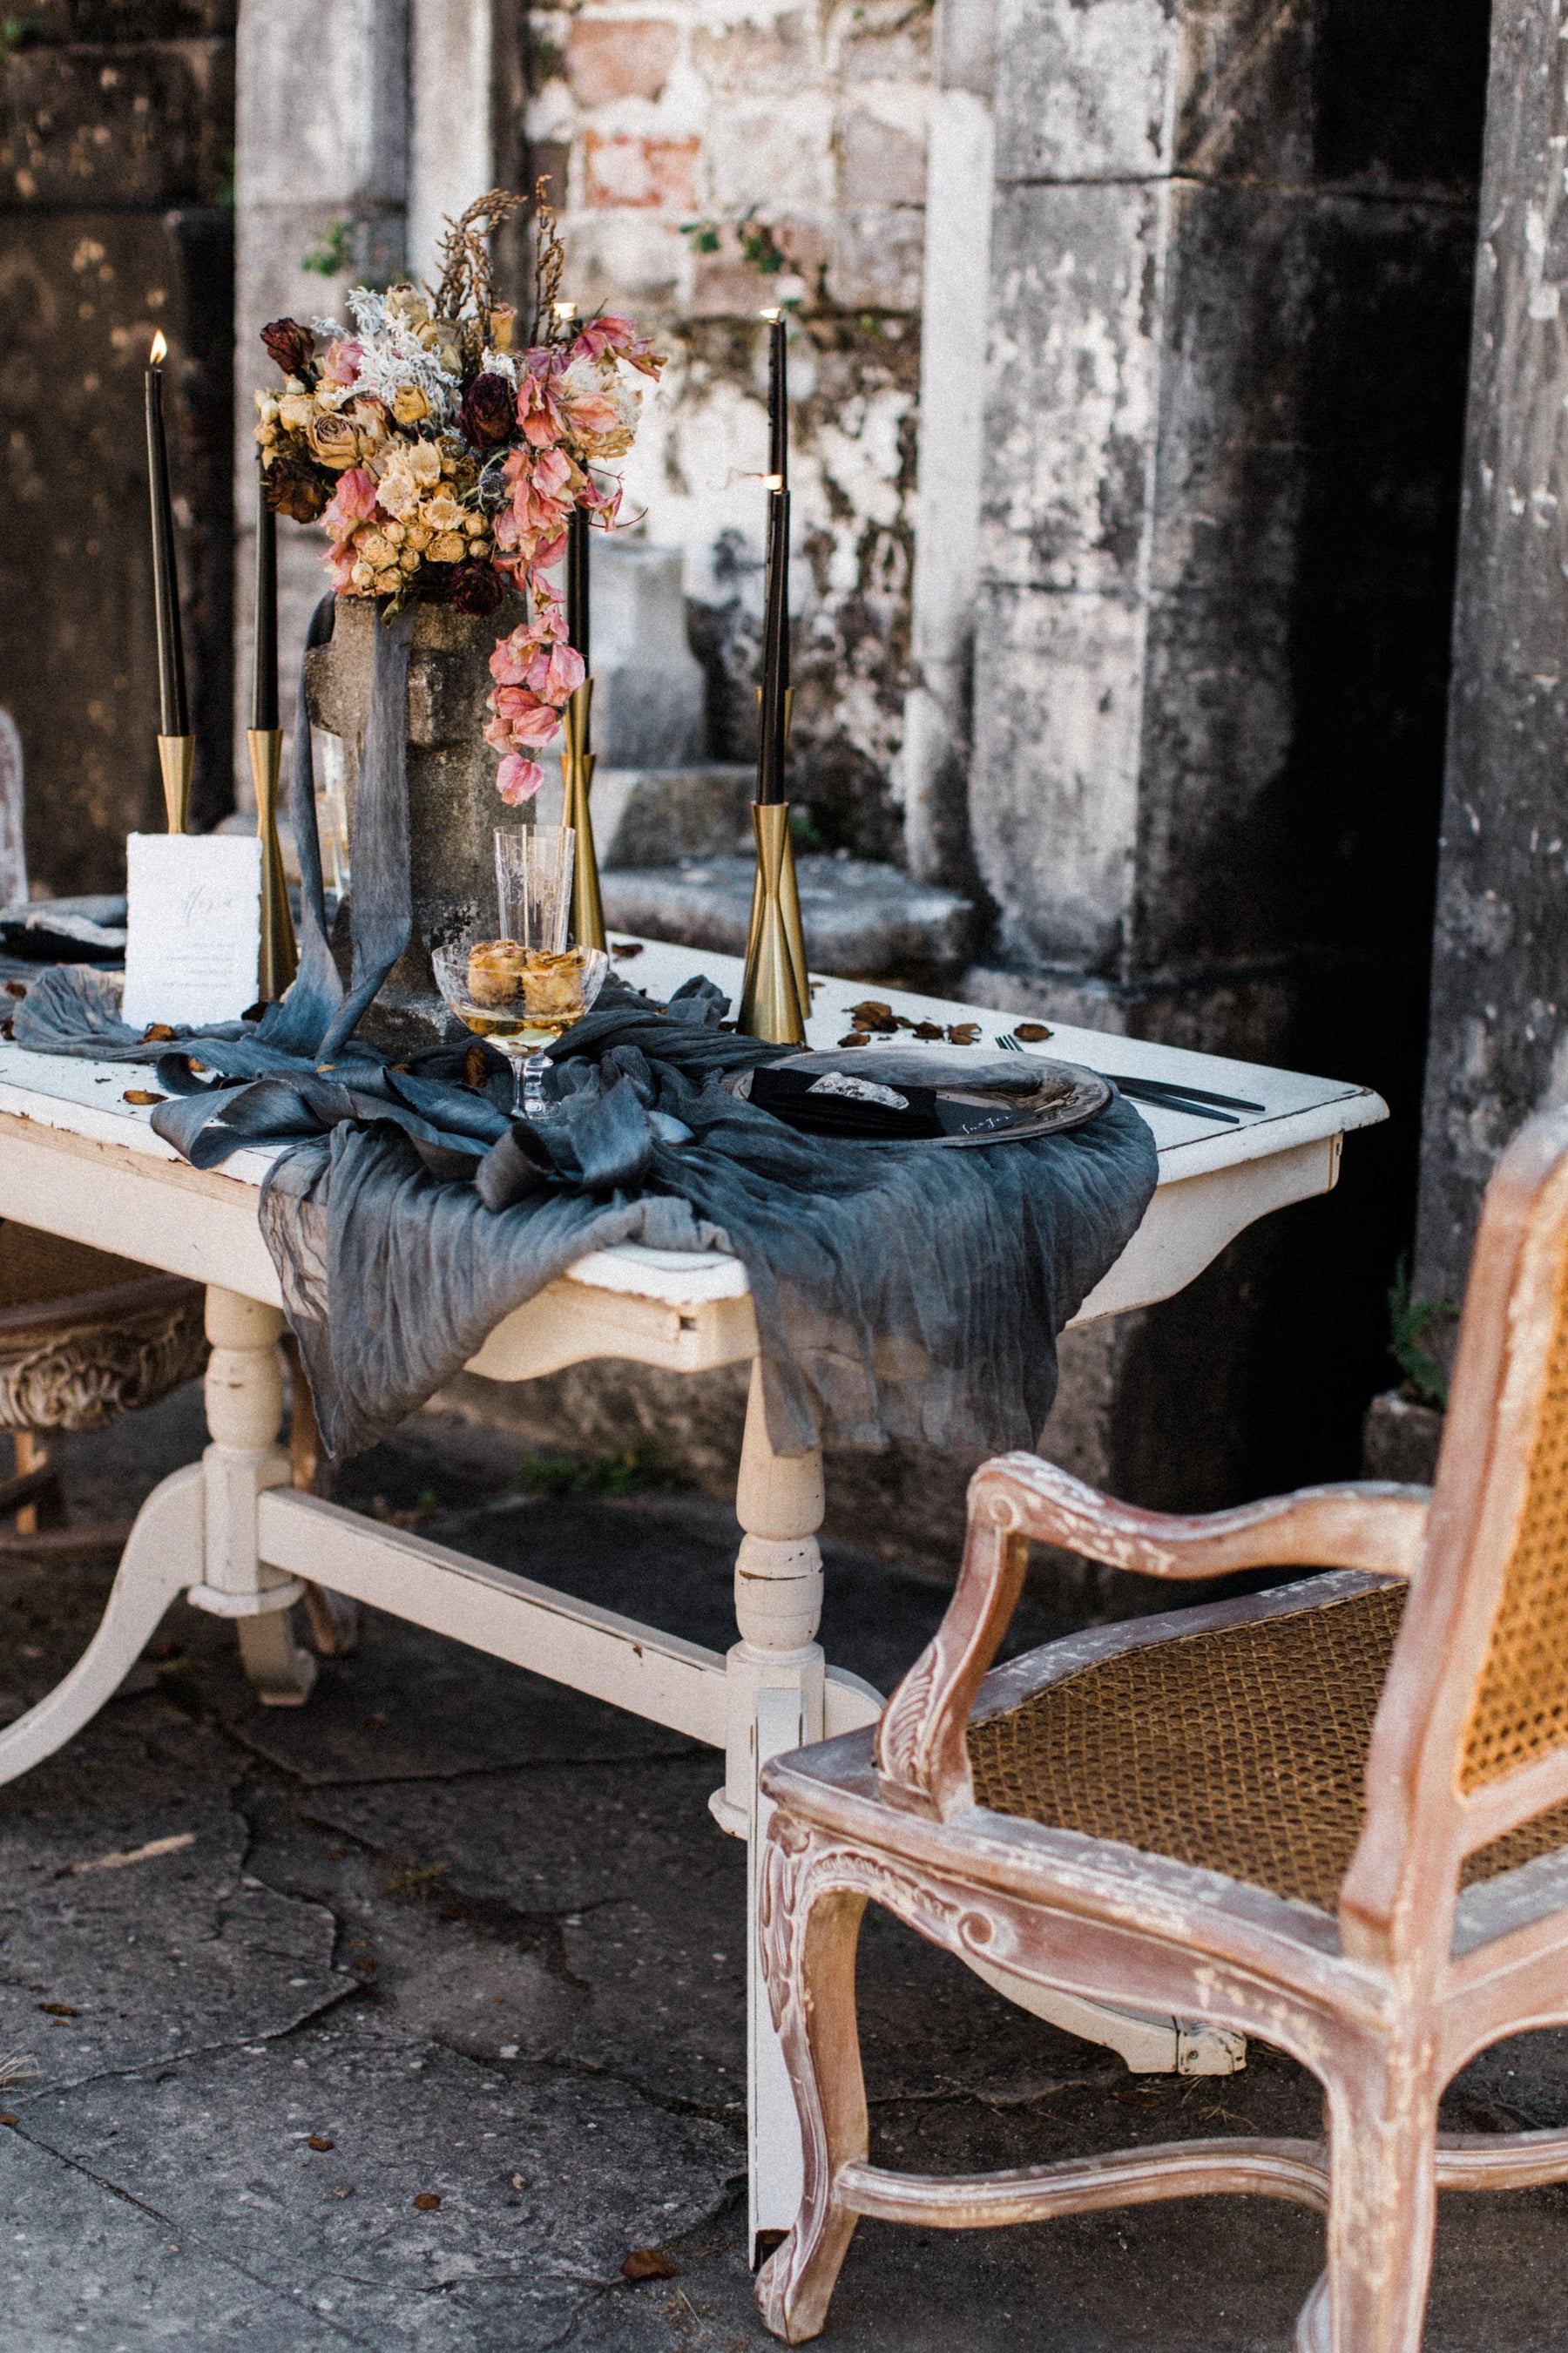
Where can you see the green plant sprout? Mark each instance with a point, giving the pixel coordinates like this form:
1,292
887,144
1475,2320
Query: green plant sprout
1411,1321
332,251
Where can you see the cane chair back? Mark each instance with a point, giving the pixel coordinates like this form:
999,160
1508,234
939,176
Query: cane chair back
1469,1754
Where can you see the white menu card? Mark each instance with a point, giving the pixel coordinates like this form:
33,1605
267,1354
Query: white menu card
193,944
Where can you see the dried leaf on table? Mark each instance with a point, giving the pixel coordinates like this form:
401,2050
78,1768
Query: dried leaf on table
963,1033
474,1066
929,1030
141,1095
1030,1033
647,2263
626,947
157,1030
16,988
856,1037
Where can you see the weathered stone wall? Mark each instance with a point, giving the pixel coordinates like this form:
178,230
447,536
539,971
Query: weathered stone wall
1500,964
116,138
703,124
1231,261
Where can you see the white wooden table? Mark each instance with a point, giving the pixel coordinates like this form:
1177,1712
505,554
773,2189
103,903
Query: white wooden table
232,1536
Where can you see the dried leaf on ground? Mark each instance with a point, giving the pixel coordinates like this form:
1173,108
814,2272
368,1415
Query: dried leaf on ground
427,2202
319,2144
647,2263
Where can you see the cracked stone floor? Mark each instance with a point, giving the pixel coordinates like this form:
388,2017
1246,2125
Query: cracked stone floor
430,2011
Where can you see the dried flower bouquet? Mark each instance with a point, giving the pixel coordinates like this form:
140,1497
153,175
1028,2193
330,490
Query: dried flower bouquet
442,464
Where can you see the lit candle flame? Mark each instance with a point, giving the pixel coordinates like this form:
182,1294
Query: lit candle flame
160,350
773,481
565,310
772,317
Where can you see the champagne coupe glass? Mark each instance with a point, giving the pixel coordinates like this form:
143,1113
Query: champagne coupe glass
521,991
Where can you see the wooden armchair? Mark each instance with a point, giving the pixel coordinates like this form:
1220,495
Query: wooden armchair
1333,1816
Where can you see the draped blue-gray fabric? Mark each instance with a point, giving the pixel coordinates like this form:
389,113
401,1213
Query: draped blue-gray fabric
901,1291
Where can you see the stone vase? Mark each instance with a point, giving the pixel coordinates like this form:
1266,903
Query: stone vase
453,809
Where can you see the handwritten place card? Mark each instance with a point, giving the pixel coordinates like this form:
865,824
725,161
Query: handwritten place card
193,927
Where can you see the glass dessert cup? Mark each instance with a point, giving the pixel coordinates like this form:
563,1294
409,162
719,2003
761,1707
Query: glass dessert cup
521,999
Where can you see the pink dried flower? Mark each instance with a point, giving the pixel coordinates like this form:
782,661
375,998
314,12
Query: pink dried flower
345,359
355,502
517,779
538,406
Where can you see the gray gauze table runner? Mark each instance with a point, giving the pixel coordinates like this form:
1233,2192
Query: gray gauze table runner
901,1290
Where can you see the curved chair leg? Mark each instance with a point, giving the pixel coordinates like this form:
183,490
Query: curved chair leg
163,1556
1382,2208
811,1933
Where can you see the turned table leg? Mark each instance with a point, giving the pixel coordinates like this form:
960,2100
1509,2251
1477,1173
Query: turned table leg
776,1686
245,1411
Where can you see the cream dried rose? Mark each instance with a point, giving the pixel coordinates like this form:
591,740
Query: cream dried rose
409,404
409,559
442,512
333,440
417,535
295,411
447,547
363,575
387,583
376,548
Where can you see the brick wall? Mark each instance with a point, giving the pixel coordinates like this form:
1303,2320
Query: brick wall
673,137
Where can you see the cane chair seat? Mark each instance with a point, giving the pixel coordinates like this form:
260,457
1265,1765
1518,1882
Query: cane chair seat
1240,1749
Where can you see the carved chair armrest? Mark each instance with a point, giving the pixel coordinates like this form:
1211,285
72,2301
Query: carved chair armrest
922,1753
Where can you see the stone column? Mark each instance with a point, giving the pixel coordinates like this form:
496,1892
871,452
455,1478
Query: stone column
934,761
320,162
1231,265
1500,968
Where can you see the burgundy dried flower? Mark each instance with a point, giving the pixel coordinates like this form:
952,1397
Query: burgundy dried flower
488,413
476,587
295,489
291,345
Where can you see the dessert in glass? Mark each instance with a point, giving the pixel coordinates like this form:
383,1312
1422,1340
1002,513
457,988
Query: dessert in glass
523,990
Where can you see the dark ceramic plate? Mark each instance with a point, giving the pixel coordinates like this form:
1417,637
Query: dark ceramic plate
1047,1099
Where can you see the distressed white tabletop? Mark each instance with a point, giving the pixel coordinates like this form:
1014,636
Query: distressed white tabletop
1283,1152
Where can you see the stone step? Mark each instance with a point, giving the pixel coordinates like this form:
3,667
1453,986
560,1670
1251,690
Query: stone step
859,917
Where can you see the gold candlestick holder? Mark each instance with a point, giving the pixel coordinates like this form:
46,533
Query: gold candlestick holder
280,950
176,758
771,1004
576,780
789,897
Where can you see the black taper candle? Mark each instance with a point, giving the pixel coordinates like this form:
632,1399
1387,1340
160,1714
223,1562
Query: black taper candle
776,653
173,713
264,672
577,583
778,401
